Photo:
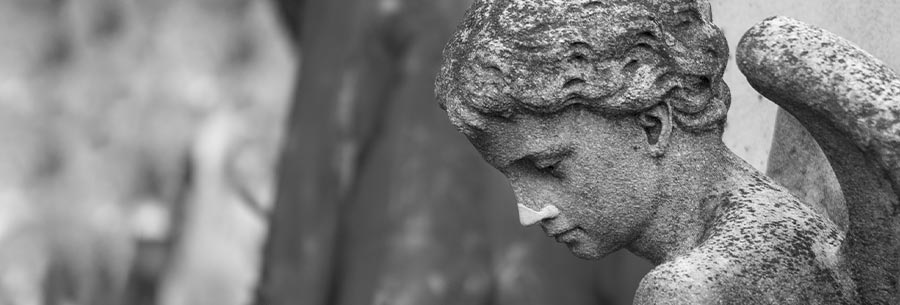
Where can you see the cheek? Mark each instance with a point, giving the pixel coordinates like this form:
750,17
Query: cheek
614,187
616,198
616,173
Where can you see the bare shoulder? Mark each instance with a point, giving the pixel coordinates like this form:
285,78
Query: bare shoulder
765,247
679,282
712,278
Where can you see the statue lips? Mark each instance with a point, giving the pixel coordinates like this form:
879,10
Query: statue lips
564,235
567,237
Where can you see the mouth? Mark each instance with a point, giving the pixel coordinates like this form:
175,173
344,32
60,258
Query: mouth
562,230
564,235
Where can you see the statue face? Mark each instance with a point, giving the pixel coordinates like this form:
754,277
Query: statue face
596,170
520,76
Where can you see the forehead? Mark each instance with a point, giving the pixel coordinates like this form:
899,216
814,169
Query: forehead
506,141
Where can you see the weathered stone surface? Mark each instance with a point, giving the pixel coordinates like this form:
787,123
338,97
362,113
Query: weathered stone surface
543,56
850,102
611,112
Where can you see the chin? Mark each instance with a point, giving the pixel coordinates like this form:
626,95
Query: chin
587,251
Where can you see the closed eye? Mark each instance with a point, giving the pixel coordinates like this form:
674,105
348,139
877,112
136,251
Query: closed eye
550,162
547,162
551,168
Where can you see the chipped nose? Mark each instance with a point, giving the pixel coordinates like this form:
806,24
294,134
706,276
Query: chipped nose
528,217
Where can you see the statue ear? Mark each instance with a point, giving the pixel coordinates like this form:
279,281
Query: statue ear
657,124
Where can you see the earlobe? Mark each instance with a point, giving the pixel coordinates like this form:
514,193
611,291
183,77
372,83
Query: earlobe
657,124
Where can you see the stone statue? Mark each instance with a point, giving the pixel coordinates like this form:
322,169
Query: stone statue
607,115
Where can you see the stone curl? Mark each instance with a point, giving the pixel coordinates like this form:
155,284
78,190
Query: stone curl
614,57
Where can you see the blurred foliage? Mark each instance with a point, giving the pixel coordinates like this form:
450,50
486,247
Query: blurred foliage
137,143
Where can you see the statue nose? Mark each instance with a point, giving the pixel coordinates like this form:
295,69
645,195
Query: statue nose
528,217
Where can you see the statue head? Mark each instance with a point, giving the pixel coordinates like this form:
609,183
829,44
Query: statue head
579,103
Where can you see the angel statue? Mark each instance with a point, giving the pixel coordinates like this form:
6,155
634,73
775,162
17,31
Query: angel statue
607,116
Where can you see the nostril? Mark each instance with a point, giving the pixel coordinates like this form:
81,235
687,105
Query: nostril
528,217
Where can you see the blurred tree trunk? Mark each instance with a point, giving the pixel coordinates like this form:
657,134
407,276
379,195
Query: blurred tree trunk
381,201
299,258
291,13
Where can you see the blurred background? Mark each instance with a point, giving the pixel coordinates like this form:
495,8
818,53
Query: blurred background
193,152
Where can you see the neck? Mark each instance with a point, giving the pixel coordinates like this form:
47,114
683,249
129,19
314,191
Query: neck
695,174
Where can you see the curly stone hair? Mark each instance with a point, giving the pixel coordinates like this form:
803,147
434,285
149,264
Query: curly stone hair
614,56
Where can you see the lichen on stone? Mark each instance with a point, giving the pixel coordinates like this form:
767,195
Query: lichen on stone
528,56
